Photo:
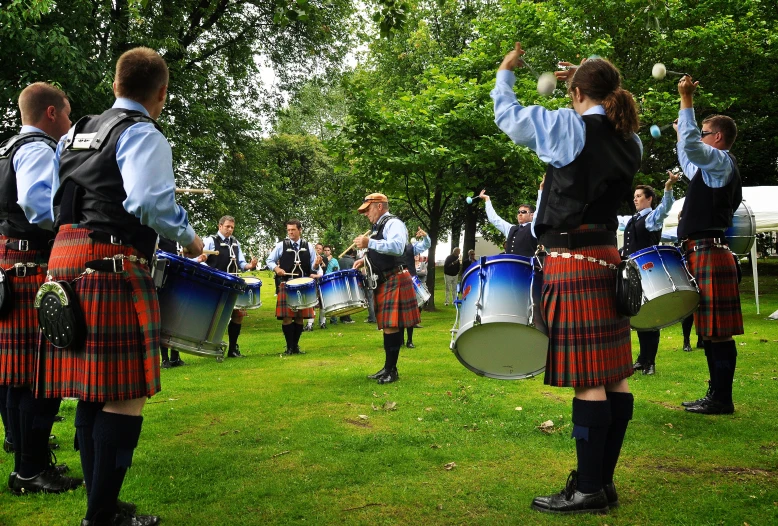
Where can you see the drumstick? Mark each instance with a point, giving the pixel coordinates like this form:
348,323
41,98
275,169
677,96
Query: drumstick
353,244
211,252
194,191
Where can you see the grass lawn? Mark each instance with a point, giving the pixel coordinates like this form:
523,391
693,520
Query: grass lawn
307,439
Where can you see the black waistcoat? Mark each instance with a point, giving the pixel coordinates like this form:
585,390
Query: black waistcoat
224,260
637,236
707,208
592,187
384,262
91,189
409,259
520,241
286,261
13,222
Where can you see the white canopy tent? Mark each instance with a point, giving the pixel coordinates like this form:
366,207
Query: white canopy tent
763,202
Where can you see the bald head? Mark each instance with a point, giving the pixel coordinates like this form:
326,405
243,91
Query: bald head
46,107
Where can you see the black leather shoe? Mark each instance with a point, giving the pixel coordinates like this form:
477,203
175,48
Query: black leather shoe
377,375
611,495
712,407
178,363
136,520
410,345
700,345
296,350
692,403
234,354
649,369
61,468
166,364
59,418
687,346
570,500
48,481
8,447
637,366
127,508
389,377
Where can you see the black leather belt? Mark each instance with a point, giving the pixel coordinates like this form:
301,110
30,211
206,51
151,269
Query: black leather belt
576,239
705,234
114,264
25,245
103,237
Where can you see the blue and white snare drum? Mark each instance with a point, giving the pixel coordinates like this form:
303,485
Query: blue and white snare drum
342,293
669,292
422,293
742,234
196,303
501,333
250,298
301,293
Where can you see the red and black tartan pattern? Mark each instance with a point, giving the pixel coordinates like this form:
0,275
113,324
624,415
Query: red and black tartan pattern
283,310
719,313
395,303
589,342
120,357
19,338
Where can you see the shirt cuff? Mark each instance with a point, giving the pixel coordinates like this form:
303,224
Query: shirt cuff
506,76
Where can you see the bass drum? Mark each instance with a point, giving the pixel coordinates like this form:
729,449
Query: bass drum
742,234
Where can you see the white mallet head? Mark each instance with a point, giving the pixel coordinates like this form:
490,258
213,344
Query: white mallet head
469,200
659,71
546,84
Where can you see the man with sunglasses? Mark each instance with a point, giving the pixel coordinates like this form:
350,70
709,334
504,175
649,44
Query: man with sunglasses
519,238
715,192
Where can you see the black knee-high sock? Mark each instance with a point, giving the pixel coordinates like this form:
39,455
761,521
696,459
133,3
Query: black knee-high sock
84,443
12,404
709,359
622,407
410,335
724,362
4,411
392,344
233,331
36,418
591,420
649,345
298,330
115,439
164,353
686,326
288,334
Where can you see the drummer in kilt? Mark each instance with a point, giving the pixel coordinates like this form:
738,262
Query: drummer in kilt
292,258
592,153
395,301
111,199
714,194
25,192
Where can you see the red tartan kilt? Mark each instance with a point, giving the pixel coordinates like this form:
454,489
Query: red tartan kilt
589,342
395,303
283,310
714,270
114,363
19,337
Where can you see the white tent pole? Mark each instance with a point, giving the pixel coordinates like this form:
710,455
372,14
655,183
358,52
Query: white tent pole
756,276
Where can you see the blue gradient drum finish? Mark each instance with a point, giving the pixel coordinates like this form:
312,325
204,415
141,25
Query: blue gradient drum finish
301,293
342,293
501,333
196,303
669,291
422,293
250,298
742,234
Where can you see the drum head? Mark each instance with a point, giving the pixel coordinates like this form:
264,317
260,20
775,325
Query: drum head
665,310
299,281
505,351
252,281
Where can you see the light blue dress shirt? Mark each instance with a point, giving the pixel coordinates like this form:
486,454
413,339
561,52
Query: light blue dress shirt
395,238
716,165
34,163
208,245
146,163
656,217
498,222
420,246
275,256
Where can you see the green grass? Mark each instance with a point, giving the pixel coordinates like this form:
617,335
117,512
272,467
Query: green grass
279,440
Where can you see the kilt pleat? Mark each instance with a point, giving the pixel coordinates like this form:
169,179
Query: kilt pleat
19,336
395,303
119,359
714,269
589,342
284,311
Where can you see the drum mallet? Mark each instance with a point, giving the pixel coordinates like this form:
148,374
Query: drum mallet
659,71
194,191
211,252
354,244
546,81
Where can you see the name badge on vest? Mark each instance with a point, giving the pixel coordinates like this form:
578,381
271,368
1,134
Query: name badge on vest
83,141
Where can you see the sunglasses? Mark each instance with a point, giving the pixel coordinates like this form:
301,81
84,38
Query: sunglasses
524,212
703,134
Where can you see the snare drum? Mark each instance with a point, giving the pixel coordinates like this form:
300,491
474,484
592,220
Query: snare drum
742,234
669,292
500,330
250,298
196,303
422,293
342,293
301,293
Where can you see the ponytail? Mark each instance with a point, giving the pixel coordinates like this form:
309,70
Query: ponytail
622,111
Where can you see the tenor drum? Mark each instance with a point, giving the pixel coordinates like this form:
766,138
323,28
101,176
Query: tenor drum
342,293
669,292
250,298
301,293
196,303
742,234
422,293
500,331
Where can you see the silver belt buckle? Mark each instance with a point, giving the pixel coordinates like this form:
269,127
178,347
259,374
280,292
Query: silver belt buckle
115,240
118,262
21,270
24,245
